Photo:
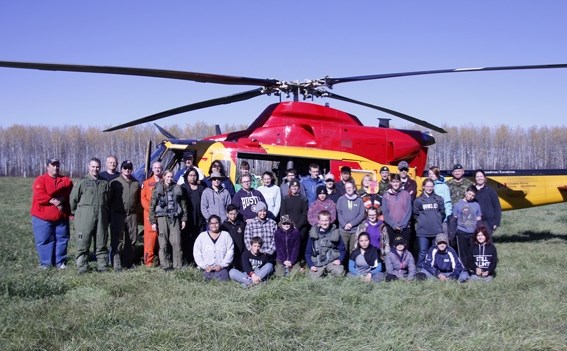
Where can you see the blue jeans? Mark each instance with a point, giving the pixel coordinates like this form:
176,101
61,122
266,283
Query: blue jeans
221,275
51,239
243,278
424,243
463,277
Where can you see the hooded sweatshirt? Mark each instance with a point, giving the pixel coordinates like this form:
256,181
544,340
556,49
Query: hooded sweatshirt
396,208
429,212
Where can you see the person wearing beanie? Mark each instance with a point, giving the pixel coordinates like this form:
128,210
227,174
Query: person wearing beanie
263,227
322,203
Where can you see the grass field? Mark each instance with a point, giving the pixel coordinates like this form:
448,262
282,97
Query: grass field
525,308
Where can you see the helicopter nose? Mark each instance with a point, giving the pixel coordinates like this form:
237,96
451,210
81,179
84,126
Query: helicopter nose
427,139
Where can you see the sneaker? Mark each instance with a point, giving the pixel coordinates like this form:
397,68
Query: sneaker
43,268
62,266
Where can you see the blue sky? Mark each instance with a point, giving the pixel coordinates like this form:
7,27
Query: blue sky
286,40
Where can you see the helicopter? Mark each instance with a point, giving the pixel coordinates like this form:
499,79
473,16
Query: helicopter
295,134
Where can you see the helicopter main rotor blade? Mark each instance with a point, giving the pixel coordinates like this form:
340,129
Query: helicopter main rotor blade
192,107
386,110
144,72
331,81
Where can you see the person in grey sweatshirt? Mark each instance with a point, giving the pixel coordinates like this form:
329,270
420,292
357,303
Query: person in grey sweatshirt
350,212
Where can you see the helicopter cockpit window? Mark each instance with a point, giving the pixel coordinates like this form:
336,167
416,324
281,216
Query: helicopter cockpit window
171,158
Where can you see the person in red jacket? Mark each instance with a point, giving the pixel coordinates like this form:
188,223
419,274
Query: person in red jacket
50,213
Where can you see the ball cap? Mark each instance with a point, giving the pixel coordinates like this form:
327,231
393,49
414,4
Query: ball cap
187,156
286,219
399,241
53,160
127,165
457,166
216,175
384,169
403,164
329,176
294,182
321,189
441,238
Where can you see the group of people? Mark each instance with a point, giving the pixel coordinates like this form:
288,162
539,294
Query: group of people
247,231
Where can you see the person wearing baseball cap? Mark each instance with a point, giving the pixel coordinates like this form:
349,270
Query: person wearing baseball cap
331,187
50,215
124,206
188,163
443,263
408,184
399,261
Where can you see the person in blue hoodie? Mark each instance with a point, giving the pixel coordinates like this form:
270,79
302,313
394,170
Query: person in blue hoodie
442,190
311,182
442,262
429,213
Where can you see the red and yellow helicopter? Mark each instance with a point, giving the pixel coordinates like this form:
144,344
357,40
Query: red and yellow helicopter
299,133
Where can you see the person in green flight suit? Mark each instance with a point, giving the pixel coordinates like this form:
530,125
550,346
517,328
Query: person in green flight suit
89,206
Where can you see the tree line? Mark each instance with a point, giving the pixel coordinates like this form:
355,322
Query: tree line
24,149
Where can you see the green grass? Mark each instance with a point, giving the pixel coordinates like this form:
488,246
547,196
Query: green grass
523,309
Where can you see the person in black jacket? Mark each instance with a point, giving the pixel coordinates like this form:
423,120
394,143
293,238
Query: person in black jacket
192,191
489,203
235,227
483,256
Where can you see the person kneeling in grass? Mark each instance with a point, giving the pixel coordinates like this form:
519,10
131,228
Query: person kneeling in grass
400,263
364,261
325,249
483,257
255,265
442,262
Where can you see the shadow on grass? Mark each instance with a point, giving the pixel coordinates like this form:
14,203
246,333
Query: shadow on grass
528,236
